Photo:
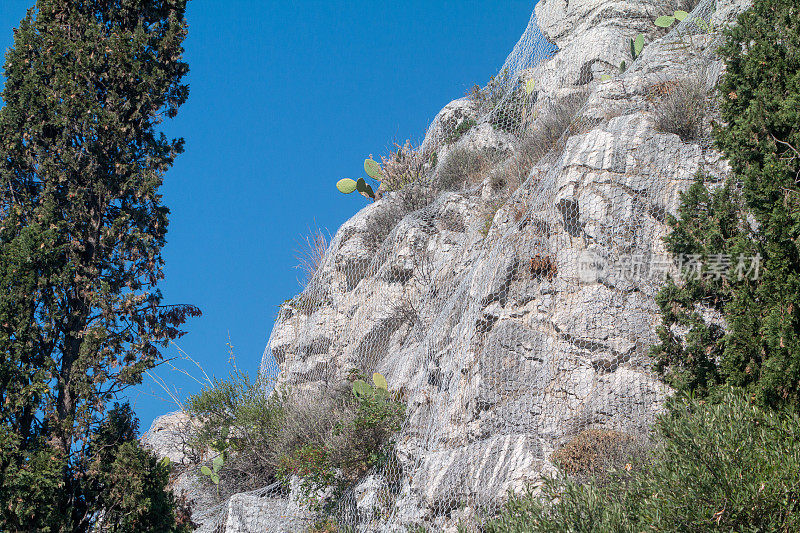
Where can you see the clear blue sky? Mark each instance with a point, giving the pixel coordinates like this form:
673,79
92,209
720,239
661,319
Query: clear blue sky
286,98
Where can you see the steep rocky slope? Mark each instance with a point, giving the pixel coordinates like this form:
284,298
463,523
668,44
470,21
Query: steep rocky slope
511,315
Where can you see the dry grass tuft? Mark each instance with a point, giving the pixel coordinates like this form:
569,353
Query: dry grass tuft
464,166
594,452
307,418
555,119
403,166
311,250
682,107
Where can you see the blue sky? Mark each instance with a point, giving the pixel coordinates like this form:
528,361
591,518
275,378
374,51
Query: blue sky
286,98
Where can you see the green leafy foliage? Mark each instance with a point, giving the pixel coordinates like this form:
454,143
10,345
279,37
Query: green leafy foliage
238,421
31,480
329,439
363,390
708,223
127,482
213,472
485,98
530,85
360,439
463,127
758,212
328,525
83,224
730,466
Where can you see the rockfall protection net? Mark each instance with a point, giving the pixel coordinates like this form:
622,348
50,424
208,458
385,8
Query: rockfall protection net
505,291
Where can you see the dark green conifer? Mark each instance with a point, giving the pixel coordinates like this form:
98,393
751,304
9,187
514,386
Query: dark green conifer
757,213
82,226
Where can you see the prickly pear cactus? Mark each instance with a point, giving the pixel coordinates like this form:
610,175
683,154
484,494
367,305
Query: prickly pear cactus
665,21
346,186
362,389
373,169
380,381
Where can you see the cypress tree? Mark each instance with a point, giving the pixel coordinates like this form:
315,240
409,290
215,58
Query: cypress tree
82,226
757,213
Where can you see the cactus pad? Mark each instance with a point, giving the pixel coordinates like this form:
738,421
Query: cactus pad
638,45
364,188
373,169
346,185
362,389
380,381
665,21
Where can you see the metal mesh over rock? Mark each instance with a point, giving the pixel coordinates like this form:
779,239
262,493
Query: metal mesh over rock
513,313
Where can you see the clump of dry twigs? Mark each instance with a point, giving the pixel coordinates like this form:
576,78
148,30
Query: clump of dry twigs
310,252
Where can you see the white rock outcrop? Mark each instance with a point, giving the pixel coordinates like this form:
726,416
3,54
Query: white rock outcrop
511,320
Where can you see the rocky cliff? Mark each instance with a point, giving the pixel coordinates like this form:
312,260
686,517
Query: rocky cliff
512,311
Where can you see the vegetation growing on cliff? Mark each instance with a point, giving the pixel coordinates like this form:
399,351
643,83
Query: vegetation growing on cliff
730,466
726,452
324,440
756,214
360,440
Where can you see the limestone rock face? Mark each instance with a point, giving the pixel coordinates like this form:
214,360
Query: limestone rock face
510,315
166,437
246,513
447,120
593,35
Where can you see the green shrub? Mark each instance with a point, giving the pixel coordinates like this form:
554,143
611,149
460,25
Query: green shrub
463,127
236,418
359,440
329,438
563,507
730,466
756,214
709,222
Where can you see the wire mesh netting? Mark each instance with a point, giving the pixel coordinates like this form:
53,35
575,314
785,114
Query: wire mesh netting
503,283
